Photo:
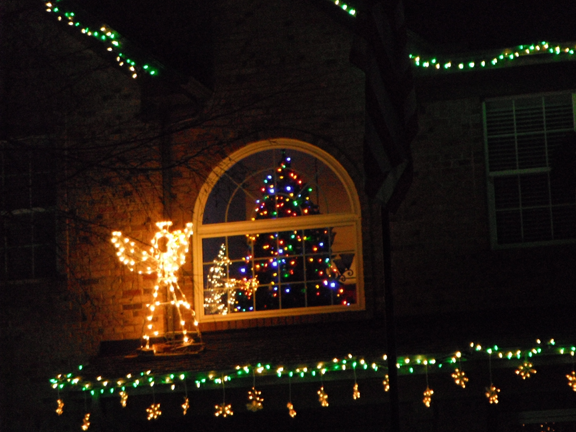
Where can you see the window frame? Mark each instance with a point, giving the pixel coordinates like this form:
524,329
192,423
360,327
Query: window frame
31,212
353,218
492,175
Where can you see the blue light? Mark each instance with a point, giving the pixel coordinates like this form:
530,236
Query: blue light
271,190
288,188
321,244
243,270
332,285
325,282
288,159
287,290
275,264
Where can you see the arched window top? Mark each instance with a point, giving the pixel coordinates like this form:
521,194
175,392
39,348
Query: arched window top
277,232
246,179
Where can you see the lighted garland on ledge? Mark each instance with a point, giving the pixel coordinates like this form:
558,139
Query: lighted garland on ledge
114,44
522,360
496,59
112,40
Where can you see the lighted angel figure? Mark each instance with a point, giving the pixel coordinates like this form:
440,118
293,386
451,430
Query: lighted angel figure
164,258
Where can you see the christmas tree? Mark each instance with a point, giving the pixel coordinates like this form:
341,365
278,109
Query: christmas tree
294,268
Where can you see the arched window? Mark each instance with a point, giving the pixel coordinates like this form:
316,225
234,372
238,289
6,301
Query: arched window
277,232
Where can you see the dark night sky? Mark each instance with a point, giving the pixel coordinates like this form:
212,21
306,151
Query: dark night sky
486,24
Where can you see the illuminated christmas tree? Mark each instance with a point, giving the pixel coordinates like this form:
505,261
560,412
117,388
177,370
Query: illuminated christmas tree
294,268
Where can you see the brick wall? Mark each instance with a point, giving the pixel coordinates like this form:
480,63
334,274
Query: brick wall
442,260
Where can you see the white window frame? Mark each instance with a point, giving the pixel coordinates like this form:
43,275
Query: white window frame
353,218
491,175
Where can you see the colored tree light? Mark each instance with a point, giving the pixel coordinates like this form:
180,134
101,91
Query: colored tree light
164,258
294,268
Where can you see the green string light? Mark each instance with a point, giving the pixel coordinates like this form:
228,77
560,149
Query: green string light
103,34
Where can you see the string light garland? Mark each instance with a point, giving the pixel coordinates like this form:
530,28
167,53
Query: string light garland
166,255
406,365
494,59
112,40
115,44
344,7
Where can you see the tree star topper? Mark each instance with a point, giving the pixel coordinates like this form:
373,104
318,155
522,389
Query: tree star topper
164,258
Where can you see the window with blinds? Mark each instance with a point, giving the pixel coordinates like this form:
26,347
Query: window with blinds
531,169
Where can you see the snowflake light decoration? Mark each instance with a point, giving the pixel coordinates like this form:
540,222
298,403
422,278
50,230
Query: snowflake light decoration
123,398
60,408
492,394
572,380
386,383
291,409
185,406
428,397
255,401
223,410
86,423
460,378
355,392
322,397
153,411
525,370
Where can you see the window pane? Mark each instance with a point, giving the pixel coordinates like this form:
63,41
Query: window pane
241,191
506,192
280,270
534,190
